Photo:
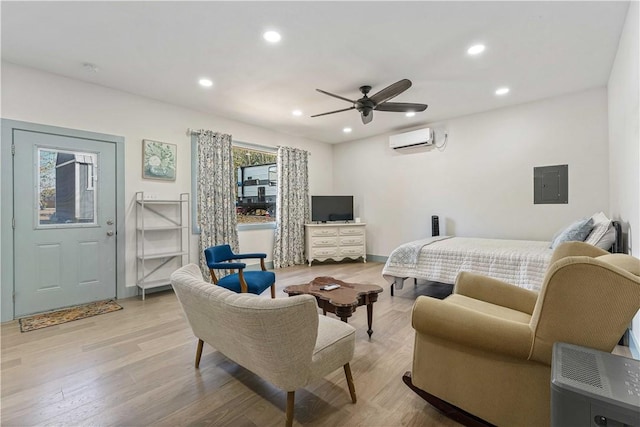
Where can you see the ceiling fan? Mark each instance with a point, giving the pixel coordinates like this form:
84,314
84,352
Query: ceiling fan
378,101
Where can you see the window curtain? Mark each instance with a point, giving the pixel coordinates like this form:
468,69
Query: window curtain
292,207
216,193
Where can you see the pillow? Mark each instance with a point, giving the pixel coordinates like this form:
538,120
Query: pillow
607,240
577,231
600,226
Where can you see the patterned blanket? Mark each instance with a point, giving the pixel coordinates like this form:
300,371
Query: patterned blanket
406,255
519,262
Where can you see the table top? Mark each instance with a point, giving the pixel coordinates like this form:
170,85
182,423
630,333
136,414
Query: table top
347,294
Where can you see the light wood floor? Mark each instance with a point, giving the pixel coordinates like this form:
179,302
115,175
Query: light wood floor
134,367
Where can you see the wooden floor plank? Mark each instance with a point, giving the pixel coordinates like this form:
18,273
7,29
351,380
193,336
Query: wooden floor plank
135,367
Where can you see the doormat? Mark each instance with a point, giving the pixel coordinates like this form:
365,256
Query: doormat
43,320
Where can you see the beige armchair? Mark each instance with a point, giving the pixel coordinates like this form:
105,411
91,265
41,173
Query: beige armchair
283,340
486,349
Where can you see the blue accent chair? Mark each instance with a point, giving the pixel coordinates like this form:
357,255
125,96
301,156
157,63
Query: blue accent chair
221,257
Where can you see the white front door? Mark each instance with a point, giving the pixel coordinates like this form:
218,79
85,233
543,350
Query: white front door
65,212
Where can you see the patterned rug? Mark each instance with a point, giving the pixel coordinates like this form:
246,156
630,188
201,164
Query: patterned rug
43,320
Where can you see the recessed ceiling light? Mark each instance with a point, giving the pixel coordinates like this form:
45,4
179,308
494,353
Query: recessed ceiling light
205,82
296,113
410,114
272,36
346,130
476,49
502,91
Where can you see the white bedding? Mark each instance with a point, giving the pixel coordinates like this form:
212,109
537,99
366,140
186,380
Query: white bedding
520,262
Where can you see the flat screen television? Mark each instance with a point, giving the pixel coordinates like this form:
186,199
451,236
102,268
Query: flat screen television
331,208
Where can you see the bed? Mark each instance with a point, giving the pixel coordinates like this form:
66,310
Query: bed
522,263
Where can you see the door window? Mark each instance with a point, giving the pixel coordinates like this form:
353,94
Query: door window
66,187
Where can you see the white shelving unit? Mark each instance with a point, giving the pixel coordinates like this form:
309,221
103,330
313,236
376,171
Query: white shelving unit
162,239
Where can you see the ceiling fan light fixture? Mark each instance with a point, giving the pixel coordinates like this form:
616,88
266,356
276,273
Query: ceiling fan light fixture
347,130
410,113
476,49
272,36
296,113
502,91
378,101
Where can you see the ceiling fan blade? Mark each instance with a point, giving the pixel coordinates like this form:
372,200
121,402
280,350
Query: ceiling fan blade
336,96
401,107
337,111
390,91
367,119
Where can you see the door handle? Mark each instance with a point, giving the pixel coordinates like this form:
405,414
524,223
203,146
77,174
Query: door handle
110,233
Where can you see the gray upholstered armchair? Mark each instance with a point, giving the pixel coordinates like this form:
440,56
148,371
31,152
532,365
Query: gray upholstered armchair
283,340
486,349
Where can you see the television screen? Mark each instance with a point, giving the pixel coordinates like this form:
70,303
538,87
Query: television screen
331,208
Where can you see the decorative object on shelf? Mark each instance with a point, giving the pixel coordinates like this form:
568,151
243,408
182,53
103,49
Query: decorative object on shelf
162,239
158,160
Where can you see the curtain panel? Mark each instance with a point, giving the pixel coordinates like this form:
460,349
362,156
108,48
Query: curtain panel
292,207
216,193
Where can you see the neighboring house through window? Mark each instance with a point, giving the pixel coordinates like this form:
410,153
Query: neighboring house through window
257,177
255,193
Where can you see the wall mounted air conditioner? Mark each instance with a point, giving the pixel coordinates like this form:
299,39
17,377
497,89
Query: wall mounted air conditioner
415,138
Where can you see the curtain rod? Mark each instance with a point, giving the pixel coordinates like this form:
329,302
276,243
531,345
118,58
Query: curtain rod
197,132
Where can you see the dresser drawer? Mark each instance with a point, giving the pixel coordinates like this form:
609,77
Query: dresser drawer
324,241
352,251
324,252
351,240
352,231
323,231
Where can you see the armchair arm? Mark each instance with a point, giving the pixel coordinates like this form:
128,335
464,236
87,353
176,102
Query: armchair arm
470,328
256,255
227,265
496,292
251,255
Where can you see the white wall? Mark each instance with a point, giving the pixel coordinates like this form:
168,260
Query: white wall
624,140
624,135
481,184
34,96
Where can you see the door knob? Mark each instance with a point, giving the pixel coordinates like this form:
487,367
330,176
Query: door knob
110,233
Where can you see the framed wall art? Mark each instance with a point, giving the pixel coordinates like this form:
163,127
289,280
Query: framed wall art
158,160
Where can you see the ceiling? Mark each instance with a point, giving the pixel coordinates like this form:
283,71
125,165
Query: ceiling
161,49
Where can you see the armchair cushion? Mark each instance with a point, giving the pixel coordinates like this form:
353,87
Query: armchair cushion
257,281
495,291
335,345
475,325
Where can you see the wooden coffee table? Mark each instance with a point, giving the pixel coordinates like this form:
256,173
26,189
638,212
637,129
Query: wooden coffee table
342,301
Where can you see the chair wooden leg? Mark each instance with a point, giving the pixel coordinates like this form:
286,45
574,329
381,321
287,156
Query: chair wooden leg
273,291
291,398
199,353
352,387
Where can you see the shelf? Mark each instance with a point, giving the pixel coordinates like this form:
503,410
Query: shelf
162,228
161,255
154,260
154,283
160,202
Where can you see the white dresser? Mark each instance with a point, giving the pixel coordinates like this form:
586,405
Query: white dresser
335,241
